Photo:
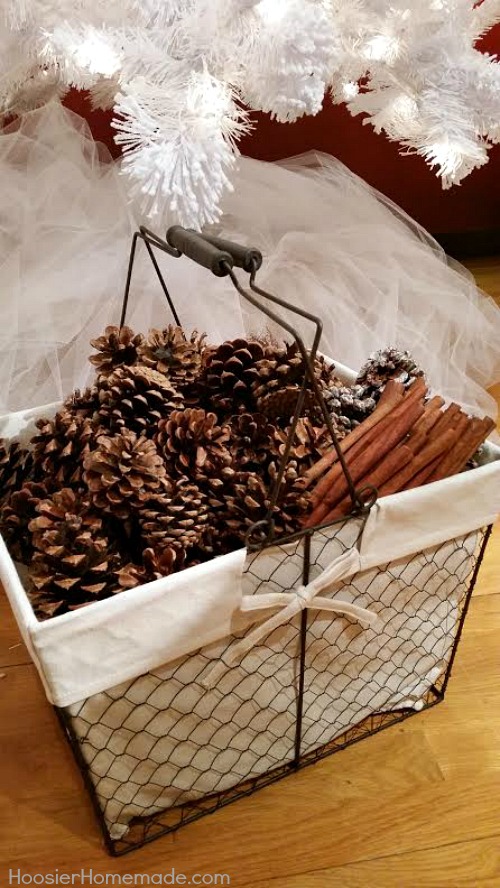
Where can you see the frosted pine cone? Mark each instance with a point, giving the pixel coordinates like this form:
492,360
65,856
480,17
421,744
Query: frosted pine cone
169,351
73,563
349,406
192,443
116,347
123,472
136,398
60,446
389,363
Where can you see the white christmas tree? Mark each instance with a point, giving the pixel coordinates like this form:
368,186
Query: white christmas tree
181,75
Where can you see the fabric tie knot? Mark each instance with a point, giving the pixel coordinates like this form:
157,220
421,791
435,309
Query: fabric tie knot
293,603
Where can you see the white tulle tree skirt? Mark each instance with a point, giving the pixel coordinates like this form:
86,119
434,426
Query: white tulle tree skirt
331,244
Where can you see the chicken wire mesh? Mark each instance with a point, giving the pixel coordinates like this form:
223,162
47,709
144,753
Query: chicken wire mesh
162,750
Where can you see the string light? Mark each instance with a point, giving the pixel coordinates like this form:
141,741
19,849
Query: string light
382,48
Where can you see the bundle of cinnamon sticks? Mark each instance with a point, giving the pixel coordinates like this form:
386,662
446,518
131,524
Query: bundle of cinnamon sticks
407,441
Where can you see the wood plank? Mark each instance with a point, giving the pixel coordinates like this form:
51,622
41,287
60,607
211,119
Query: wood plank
463,865
489,577
12,648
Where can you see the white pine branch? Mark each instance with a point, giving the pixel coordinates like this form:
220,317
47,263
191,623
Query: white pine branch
179,159
175,70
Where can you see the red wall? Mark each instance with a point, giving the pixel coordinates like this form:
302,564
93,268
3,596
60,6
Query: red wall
475,204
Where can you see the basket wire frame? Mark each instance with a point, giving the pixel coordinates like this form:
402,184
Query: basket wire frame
143,830
220,256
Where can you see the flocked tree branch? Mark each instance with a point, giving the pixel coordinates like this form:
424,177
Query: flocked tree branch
177,73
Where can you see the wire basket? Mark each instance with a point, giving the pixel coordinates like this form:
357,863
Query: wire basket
335,665
161,751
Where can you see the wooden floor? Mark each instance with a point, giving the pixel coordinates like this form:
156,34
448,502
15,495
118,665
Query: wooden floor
417,805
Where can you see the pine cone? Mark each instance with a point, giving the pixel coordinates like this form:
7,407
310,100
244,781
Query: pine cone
281,377
136,398
193,444
349,405
15,517
280,368
115,347
156,564
244,500
170,352
175,519
230,373
389,363
74,563
83,404
279,404
254,441
123,472
60,447
15,467
309,444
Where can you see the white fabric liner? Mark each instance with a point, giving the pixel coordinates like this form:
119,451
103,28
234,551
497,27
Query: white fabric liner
90,650
166,738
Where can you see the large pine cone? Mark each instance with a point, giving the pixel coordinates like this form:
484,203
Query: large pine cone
136,398
15,467
281,376
280,367
116,347
15,517
244,500
170,352
60,447
193,444
123,472
389,363
254,441
176,519
74,562
231,372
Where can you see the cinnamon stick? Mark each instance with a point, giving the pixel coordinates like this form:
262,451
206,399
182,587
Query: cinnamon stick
395,428
424,475
431,415
456,460
417,440
391,396
415,394
437,447
392,464
448,418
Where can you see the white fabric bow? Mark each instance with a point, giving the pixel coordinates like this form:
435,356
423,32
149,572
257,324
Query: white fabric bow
292,603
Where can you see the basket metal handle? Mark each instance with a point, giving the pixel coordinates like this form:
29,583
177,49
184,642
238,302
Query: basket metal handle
198,248
247,258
